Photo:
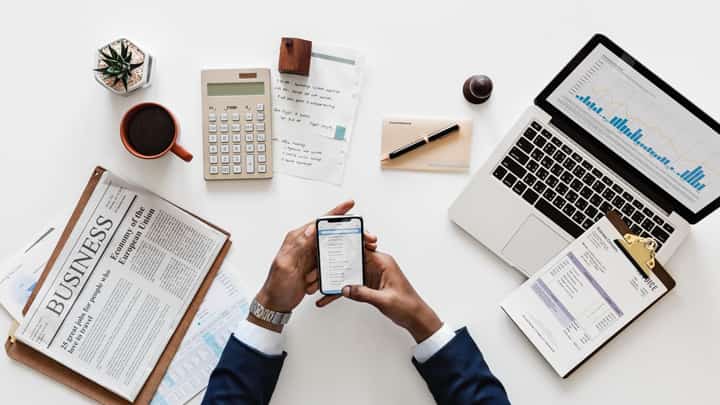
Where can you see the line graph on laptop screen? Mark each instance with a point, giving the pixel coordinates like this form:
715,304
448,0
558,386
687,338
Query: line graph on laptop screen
644,126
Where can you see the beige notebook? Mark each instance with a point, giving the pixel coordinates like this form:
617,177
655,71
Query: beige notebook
450,153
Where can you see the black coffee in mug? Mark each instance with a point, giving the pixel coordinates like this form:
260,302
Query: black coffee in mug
150,130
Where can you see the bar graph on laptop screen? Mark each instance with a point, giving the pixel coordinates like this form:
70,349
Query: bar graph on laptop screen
643,125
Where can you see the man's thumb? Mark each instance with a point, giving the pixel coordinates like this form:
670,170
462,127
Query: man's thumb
361,293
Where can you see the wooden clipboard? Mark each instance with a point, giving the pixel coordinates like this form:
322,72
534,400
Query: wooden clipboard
30,357
658,270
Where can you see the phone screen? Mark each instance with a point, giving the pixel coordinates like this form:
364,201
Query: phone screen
340,253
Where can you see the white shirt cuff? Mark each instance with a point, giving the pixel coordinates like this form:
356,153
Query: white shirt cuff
263,340
428,347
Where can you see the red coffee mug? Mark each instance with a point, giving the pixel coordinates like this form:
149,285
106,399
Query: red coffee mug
173,146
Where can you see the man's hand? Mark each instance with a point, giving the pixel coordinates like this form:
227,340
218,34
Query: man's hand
293,272
389,291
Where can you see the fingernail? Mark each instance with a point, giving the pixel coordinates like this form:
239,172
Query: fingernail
309,230
346,291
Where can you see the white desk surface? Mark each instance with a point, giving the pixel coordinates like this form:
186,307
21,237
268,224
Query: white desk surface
58,124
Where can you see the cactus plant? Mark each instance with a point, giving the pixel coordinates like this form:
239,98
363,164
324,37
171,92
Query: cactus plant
118,65
122,67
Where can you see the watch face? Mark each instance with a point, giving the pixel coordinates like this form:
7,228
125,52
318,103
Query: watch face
257,309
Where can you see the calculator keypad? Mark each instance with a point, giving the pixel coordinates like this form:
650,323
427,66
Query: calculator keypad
236,148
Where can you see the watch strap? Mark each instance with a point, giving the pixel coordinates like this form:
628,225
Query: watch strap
268,315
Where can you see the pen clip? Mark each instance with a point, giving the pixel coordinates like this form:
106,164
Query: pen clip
442,132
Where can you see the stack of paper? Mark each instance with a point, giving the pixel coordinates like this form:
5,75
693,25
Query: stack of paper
314,116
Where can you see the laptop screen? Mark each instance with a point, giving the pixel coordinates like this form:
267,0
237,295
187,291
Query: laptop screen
644,125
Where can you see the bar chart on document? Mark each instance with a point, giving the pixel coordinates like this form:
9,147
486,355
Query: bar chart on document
644,126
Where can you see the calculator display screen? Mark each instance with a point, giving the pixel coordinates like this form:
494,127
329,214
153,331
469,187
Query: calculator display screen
236,89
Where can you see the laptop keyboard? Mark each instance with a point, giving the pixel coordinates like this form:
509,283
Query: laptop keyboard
550,175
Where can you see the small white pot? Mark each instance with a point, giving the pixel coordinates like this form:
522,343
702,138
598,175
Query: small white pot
139,78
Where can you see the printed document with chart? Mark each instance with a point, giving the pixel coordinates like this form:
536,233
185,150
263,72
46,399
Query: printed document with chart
314,116
224,307
20,272
119,287
581,298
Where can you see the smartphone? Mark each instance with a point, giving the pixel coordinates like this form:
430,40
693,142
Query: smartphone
341,253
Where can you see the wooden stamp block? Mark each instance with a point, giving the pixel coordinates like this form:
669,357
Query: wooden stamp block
295,56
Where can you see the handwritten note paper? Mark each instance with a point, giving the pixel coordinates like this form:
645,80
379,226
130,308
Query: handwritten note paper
314,116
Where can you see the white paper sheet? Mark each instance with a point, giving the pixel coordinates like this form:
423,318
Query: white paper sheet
20,272
314,116
225,305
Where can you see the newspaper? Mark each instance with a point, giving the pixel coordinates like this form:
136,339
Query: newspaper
117,291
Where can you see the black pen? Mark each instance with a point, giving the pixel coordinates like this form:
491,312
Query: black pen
420,142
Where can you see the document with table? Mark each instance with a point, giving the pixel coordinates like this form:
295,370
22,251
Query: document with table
225,305
116,290
314,116
583,297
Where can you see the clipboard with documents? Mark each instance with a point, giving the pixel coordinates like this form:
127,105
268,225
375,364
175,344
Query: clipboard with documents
118,293
588,294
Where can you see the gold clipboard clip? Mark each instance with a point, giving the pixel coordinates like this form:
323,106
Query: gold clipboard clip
641,251
11,333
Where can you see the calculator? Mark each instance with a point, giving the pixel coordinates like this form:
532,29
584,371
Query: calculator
237,124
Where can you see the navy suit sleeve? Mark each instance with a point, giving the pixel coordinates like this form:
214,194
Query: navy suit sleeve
243,376
458,374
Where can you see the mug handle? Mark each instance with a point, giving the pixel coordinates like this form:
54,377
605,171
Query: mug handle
181,152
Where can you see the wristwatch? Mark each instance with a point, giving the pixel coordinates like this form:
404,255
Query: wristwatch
268,315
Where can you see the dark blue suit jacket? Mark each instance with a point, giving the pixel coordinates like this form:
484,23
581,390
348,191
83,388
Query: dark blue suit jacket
457,374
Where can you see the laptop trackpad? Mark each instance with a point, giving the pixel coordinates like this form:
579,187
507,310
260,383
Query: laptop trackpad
533,245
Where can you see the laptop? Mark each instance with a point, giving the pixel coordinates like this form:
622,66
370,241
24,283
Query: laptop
605,134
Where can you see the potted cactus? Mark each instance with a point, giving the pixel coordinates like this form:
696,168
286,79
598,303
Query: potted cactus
122,67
